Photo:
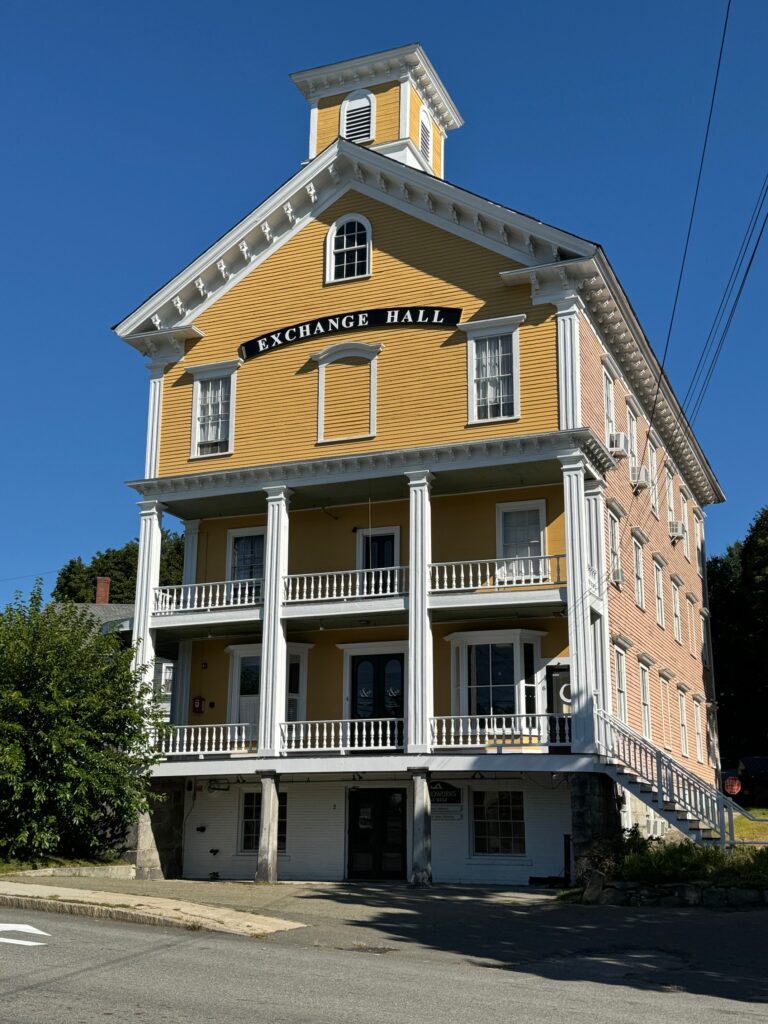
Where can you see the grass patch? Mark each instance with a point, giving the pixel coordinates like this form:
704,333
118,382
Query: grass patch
686,862
569,896
753,831
12,867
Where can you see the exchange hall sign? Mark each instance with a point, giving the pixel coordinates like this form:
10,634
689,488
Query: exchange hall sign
342,323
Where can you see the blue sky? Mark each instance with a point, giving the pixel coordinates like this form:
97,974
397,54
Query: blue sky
136,133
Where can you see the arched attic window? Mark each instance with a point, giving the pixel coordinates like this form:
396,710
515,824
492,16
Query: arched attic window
358,116
348,249
425,136
346,391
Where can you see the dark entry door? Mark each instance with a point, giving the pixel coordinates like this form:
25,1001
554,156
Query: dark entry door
376,837
377,692
559,704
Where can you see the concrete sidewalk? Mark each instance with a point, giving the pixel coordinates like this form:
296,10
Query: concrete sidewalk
147,908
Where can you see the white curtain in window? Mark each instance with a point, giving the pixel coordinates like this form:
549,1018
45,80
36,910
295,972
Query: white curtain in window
521,542
213,415
494,392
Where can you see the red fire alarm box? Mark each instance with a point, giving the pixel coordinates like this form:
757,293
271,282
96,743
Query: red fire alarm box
198,705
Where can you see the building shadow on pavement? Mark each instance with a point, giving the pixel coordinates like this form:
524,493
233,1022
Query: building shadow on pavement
709,953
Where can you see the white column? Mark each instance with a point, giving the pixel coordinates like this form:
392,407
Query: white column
568,365
154,410
421,830
595,502
191,533
147,578
419,696
273,647
578,603
266,868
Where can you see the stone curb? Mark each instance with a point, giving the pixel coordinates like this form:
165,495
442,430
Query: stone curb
53,906
142,910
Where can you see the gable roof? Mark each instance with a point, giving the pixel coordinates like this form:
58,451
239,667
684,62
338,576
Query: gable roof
548,258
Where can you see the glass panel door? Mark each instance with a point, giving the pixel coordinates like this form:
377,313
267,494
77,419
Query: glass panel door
378,551
521,542
250,674
559,704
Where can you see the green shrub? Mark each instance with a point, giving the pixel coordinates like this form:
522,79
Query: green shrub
687,862
609,853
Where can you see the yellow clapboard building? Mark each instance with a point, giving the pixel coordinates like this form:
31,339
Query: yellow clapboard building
444,592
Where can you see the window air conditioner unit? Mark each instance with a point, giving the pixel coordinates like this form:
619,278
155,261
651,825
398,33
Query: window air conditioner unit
618,445
617,577
640,477
676,531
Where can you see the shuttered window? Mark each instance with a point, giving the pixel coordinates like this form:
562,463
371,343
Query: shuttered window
357,116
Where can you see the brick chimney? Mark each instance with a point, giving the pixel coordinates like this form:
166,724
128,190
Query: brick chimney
102,590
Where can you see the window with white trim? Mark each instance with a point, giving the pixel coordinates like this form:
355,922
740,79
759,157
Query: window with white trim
244,704
348,249
691,631
676,617
683,713
425,136
706,658
670,496
213,408
632,430
621,683
654,482
250,821
645,699
521,539
658,579
245,553
684,521
614,546
639,581
698,731
610,419
666,728
498,822
494,377
698,541
497,672
358,112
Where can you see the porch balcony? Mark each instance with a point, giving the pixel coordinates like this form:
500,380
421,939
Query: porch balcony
346,585
349,736
206,740
342,736
206,597
496,574
499,732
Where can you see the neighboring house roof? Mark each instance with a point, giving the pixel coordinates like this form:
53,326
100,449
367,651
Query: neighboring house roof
111,616
548,259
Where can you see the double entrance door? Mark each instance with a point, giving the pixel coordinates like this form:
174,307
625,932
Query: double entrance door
376,834
376,694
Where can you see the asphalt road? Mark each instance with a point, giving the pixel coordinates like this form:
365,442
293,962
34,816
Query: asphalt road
93,971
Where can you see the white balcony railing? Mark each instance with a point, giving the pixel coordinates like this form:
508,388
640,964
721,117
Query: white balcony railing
348,585
342,735
495,574
233,738
200,597
501,731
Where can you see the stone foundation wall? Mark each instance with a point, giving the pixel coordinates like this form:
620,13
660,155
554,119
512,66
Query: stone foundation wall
158,843
594,813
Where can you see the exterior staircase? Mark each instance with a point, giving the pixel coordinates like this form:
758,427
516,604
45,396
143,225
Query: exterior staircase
683,800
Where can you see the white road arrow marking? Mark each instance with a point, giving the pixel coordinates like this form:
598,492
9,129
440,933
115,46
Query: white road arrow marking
27,929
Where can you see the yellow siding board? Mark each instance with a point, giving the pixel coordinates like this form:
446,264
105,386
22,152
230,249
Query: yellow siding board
413,263
347,401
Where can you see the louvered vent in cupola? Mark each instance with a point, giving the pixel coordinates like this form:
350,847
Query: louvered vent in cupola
357,117
425,137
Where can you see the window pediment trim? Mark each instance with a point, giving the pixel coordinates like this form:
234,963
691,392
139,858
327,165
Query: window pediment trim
207,371
479,328
346,350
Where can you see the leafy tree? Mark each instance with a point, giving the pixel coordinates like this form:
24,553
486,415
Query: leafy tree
75,733
76,581
738,593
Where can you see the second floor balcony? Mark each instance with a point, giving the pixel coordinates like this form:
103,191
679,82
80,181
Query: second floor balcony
492,581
